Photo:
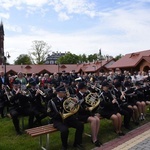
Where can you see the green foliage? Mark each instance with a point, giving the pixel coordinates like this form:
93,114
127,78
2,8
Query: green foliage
92,57
68,58
39,52
23,59
118,57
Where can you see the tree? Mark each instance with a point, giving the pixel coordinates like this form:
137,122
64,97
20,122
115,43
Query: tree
83,58
118,57
23,59
92,57
68,58
39,52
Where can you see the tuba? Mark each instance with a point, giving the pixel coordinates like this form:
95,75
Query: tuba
70,108
93,100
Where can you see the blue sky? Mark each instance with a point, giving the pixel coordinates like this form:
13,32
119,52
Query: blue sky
78,26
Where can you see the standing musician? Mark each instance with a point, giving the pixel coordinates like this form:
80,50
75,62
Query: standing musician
3,79
108,110
131,99
36,103
123,106
55,109
85,115
19,107
2,100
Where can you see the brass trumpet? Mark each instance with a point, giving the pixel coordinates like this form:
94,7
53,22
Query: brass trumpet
41,93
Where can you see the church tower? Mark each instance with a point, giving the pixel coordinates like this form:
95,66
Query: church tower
1,42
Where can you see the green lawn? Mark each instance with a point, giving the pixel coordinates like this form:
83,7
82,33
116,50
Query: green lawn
10,141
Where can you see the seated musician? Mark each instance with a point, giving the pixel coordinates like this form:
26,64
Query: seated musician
37,105
56,109
123,105
85,115
146,88
49,91
131,99
19,106
140,100
108,108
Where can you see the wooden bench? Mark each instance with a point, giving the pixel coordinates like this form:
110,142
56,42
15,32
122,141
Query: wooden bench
45,130
40,131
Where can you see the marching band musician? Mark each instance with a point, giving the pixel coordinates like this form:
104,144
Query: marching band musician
108,108
55,109
20,106
36,103
85,115
123,106
49,90
146,88
140,100
131,99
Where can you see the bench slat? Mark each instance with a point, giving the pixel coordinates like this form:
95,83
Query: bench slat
41,130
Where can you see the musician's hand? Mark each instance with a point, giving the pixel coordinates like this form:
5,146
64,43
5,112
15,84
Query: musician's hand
18,91
87,108
75,99
37,92
114,101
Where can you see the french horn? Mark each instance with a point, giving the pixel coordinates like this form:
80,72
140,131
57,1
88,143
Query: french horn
93,100
70,107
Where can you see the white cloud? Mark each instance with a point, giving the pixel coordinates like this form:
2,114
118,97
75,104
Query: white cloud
73,7
63,16
13,28
4,15
35,3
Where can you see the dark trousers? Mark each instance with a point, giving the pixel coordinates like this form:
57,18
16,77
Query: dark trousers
63,127
40,113
127,113
2,111
15,113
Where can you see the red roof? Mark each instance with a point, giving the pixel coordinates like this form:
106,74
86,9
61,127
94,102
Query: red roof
29,69
132,59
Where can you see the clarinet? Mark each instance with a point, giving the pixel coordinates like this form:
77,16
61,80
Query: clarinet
114,97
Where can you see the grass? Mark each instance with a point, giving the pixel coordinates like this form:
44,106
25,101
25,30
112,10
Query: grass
10,141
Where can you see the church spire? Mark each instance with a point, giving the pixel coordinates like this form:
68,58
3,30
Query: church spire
1,28
1,42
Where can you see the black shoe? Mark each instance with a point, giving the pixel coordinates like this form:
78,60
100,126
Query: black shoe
127,127
19,133
97,143
79,147
121,134
136,123
64,148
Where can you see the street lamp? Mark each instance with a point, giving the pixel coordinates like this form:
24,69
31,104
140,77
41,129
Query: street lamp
5,61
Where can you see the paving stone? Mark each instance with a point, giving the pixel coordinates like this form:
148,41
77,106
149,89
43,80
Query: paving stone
139,138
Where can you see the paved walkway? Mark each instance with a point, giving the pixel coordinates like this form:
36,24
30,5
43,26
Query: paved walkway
137,139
